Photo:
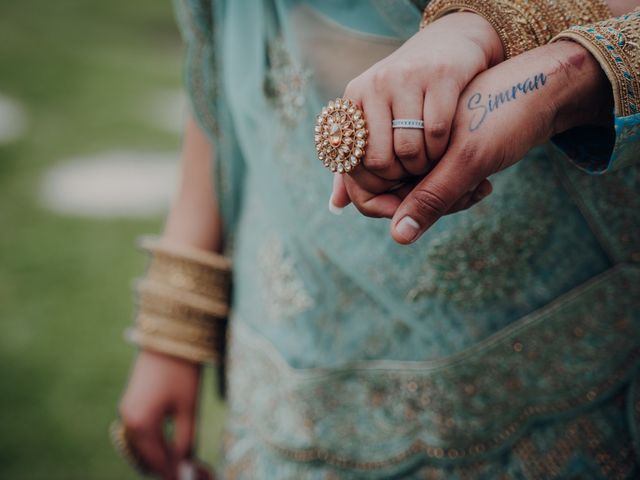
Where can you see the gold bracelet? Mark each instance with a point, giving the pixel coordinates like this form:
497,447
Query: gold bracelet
209,259
523,25
188,269
189,277
172,347
183,302
159,298
182,330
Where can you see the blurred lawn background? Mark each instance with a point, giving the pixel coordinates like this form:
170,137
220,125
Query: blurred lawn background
80,69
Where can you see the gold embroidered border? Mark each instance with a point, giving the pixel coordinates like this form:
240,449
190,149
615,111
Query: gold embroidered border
438,453
523,24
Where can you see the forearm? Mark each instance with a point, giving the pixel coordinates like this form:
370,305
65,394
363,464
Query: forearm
194,218
186,287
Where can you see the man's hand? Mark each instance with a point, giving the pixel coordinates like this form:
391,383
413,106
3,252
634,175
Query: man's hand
501,115
423,79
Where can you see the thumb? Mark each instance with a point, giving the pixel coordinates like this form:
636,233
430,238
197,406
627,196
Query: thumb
432,198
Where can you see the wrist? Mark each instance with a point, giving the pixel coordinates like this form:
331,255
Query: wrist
491,42
182,302
155,357
480,30
587,97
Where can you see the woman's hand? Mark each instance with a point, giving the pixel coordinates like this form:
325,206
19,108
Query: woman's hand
501,115
423,79
162,388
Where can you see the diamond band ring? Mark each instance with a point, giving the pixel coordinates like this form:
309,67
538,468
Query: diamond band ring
407,123
340,135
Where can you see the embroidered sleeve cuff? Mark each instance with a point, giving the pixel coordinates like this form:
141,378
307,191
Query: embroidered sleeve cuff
614,44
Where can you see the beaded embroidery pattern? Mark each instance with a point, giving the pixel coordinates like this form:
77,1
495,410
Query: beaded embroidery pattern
286,83
287,296
571,353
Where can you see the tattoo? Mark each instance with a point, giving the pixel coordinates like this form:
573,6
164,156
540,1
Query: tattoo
483,107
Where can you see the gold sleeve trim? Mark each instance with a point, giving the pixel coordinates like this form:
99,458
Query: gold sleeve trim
523,24
614,43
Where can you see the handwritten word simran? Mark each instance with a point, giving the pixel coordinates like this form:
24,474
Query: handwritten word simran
483,106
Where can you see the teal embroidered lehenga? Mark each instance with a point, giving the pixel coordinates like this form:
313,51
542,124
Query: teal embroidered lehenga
504,344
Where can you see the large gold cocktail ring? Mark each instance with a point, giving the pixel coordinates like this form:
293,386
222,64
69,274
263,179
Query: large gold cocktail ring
341,135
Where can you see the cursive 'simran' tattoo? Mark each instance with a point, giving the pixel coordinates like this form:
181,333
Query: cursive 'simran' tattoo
484,106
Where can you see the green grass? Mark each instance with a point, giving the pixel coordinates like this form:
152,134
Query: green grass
83,71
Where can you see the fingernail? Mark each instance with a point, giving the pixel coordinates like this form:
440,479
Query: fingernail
408,228
333,209
186,470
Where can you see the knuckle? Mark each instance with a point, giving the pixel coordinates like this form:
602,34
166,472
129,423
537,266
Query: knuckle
353,87
381,78
406,148
357,194
135,421
365,209
360,198
474,159
376,163
469,155
430,203
441,68
437,130
405,72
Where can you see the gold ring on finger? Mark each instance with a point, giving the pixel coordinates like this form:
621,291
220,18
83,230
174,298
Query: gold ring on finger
340,135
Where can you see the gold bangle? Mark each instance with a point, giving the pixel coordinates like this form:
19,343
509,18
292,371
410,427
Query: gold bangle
188,276
183,302
188,269
186,252
172,347
523,24
180,330
157,297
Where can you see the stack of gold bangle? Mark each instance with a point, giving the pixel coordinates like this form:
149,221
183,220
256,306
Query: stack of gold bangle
183,302
523,25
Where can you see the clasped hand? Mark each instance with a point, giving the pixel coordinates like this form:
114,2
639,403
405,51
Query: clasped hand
481,115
